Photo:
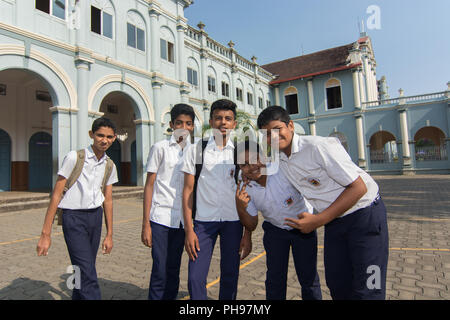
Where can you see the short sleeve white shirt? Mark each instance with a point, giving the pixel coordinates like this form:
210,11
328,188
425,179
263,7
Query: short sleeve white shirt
166,159
86,192
216,187
277,200
320,168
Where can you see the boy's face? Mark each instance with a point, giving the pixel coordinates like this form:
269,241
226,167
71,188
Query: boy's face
278,130
252,166
103,138
223,120
182,127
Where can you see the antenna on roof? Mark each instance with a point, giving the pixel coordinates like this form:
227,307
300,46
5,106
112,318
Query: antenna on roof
303,52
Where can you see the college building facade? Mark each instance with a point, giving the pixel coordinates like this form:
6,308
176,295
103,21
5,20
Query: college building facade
64,63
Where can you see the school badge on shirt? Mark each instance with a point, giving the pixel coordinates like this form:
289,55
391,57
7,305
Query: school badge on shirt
288,202
314,182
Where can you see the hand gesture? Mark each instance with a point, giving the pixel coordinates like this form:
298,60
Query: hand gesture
306,222
242,197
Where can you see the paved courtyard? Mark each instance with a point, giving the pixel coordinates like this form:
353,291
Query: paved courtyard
419,259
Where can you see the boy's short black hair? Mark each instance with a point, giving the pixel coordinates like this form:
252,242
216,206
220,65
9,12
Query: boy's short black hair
273,113
103,122
181,108
223,104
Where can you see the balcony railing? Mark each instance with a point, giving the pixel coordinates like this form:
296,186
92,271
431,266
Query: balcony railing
431,153
408,100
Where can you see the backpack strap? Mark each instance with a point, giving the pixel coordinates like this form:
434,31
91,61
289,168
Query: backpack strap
198,169
76,171
108,170
74,175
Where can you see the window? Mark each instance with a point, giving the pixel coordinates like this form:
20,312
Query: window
135,37
250,98
192,76
267,103
211,84
167,50
334,96
225,89
260,102
101,22
239,94
56,7
291,103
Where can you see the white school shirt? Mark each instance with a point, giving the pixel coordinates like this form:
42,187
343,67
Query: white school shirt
216,187
320,168
277,200
166,159
86,192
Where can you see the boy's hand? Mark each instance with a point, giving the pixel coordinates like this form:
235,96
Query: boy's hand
43,245
146,235
306,222
191,244
246,246
242,197
107,245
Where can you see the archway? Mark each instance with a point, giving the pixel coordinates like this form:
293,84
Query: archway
430,144
383,147
5,161
40,162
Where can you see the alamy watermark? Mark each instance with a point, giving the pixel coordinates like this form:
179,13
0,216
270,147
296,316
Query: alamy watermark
74,280
374,280
374,20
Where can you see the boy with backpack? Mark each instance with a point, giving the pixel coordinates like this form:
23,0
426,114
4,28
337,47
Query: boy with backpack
210,175
82,192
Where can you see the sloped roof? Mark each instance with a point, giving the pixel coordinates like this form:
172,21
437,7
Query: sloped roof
321,62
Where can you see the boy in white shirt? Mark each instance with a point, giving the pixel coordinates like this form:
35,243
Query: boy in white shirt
82,209
356,244
215,207
162,228
277,199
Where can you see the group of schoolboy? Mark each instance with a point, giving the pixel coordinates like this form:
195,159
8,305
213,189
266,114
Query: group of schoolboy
197,190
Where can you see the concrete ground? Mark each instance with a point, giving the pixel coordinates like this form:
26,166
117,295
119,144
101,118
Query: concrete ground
419,258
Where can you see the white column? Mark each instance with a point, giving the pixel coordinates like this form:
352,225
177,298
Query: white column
154,39
360,141
312,128
362,89
277,95
180,49
356,95
312,109
405,137
83,112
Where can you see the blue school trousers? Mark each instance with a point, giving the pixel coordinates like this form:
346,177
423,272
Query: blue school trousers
278,243
356,250
230,239
167,249
82,231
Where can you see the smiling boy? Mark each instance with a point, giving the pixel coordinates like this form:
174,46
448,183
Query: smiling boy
215,207
162,228
348,205
82,207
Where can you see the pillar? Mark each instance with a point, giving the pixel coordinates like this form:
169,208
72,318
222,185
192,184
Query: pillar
405,138
83,68
356,93
360,141
312,108
157,85
154,38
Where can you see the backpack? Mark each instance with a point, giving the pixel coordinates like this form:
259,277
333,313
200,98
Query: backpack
198,168
75,174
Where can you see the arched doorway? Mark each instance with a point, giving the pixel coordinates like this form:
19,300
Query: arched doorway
430,144
114,152
40,162
5,161
133,164
119,107
383,148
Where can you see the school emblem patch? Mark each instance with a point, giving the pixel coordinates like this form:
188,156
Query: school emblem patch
288,202
314,182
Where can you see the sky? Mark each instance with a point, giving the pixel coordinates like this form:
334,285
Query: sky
411,38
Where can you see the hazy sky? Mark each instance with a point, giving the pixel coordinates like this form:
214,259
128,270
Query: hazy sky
411,38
